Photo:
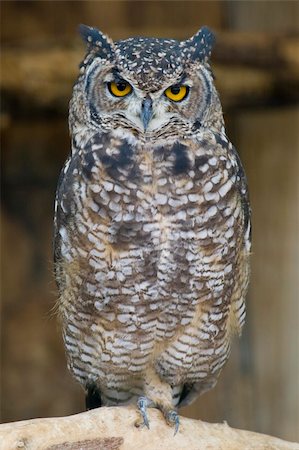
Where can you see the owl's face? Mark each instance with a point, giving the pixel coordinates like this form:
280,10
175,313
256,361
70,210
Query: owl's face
147,87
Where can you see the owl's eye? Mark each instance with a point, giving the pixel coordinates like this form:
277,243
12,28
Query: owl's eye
177,92
119,89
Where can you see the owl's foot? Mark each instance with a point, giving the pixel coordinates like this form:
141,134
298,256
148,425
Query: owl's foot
143,403
172,418
170,415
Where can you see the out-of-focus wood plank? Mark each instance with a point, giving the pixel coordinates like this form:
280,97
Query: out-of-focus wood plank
44,76
31,22
268,141
270,16
35,380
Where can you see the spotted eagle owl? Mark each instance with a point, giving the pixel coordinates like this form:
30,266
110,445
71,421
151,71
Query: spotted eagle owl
152,232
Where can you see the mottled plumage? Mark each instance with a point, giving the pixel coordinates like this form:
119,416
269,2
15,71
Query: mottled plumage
152,232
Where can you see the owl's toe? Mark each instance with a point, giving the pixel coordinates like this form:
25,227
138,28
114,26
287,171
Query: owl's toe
172,418
143,403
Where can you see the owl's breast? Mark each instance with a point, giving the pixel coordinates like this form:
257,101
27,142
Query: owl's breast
159,217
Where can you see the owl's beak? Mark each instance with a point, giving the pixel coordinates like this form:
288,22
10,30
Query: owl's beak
146,111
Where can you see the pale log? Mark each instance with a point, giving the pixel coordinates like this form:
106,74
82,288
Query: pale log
116,428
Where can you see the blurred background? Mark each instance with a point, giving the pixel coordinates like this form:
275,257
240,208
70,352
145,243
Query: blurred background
256,62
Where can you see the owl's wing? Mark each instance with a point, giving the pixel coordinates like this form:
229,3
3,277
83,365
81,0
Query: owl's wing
242,270
190,391
64,206
242,186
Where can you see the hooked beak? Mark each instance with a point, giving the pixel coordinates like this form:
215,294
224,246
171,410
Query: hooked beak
146,111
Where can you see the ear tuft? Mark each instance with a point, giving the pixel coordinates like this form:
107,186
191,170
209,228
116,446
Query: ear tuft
96,40
203,42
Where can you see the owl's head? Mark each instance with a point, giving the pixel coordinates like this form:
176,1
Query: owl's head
147,87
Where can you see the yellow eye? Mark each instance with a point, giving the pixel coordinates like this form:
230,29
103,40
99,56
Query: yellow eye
119,89
176,92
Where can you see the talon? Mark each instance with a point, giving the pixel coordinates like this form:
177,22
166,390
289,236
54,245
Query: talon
142,404
172,417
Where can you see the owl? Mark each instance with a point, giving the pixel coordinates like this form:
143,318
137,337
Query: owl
152,225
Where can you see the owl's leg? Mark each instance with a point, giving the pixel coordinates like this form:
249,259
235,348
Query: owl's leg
158,394
93,397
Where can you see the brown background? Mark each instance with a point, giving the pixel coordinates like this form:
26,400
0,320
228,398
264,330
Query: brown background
258,389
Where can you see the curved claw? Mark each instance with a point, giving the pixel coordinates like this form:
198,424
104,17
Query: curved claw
142,404
172,417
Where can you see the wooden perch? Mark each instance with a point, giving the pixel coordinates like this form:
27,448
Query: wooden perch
115,429
249,68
